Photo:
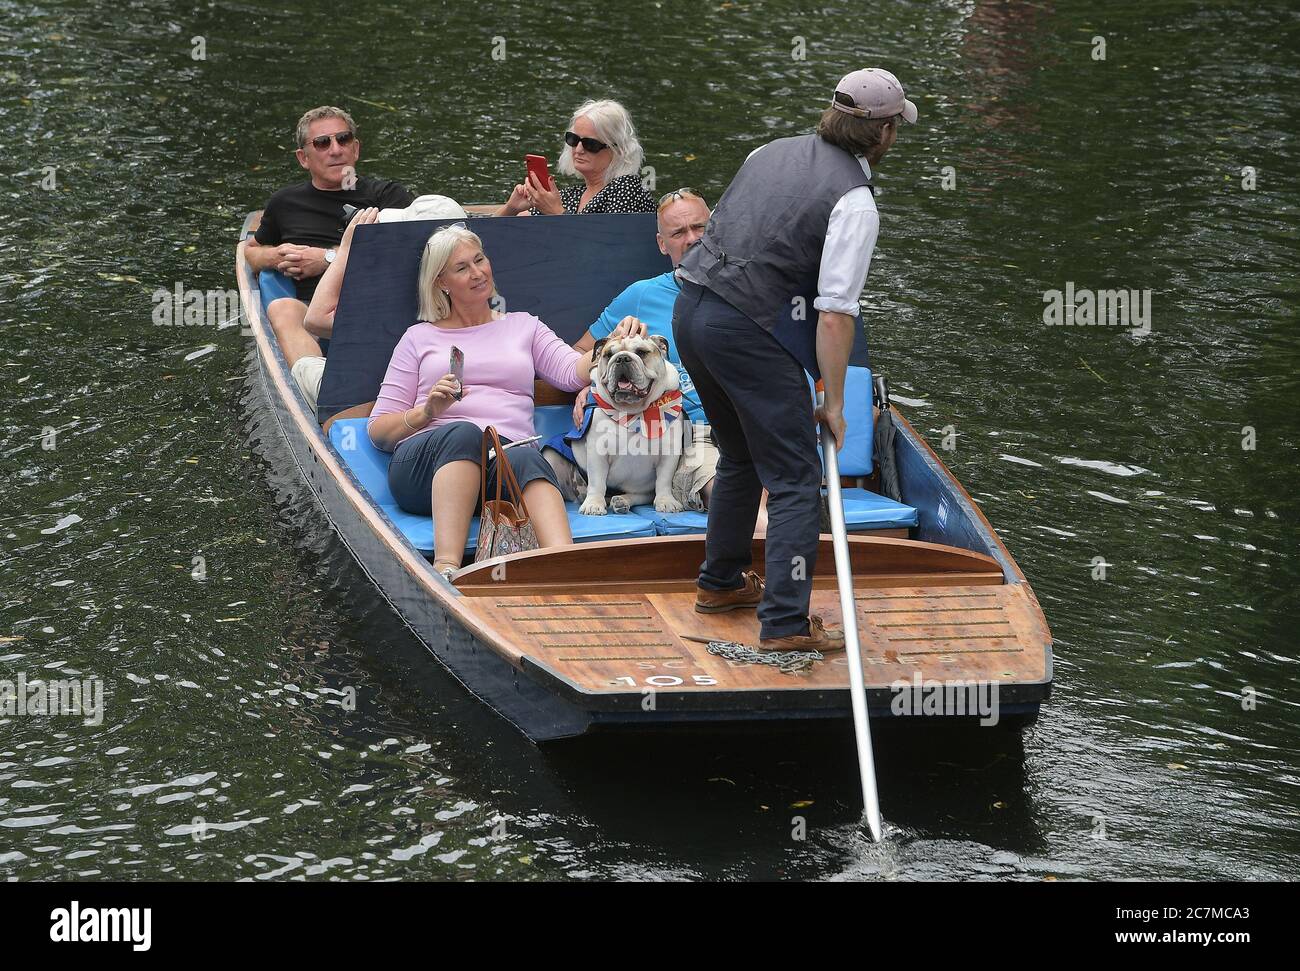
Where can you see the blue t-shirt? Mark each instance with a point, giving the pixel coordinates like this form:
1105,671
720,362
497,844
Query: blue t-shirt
651,301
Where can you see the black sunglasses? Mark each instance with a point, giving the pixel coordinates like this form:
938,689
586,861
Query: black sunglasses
590,144
322,142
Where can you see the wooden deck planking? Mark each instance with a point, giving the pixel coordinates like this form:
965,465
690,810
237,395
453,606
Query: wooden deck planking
599,641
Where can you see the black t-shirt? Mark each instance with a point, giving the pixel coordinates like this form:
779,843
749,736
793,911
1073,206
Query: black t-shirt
309,216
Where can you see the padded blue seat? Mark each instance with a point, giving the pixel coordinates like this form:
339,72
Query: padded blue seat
370,466
674,523
552,420
856,455
863,510
272,285
870,510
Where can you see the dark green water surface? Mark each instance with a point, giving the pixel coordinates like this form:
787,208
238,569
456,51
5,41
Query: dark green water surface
223,695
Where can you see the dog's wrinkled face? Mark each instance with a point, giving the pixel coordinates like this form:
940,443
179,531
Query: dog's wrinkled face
629,369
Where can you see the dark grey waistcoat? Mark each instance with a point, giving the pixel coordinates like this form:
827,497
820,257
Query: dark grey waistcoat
763,245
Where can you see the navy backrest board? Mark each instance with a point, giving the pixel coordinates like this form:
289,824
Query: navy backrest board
563,269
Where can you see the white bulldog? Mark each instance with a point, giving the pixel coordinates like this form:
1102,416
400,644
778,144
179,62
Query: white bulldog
634,441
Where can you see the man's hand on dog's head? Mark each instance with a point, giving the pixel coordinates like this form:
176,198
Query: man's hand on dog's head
628,327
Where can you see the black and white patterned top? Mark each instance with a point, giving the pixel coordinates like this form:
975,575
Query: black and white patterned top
624,194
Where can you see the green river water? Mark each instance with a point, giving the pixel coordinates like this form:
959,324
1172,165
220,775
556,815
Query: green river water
1169,748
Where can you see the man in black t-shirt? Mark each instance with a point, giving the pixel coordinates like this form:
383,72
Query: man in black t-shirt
302,224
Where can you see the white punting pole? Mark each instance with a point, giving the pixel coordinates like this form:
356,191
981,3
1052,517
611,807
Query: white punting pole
848,610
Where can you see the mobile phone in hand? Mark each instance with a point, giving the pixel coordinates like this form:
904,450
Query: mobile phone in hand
537,168
458,370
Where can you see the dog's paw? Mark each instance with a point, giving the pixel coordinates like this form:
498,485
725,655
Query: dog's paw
592,507
667,504
620,504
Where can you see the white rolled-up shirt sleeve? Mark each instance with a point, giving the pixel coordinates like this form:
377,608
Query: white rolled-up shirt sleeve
846,257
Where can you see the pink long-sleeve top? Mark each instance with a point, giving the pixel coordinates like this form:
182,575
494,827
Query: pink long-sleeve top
501,359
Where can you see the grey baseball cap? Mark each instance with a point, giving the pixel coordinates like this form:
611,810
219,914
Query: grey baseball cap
876,94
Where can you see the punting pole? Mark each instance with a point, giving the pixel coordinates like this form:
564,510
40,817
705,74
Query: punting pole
844,575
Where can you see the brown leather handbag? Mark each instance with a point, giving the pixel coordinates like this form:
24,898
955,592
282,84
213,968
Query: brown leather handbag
503,526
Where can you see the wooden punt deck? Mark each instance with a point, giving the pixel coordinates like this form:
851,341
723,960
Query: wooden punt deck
610,619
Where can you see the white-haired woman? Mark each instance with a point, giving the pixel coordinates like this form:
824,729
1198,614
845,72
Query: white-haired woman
601,146
434,427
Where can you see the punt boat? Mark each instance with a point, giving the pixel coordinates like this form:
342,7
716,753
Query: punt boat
601,635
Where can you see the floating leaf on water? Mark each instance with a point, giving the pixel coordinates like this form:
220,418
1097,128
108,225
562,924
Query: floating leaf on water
999,805
117,278
1175,765
801,804
689,158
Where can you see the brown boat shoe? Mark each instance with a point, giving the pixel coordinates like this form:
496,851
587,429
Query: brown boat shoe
718,601
818,638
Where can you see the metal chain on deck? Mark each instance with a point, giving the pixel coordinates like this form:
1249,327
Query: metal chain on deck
787,662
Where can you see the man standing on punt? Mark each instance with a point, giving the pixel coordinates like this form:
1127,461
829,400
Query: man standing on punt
791,237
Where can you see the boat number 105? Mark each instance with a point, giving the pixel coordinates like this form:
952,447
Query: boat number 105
666,680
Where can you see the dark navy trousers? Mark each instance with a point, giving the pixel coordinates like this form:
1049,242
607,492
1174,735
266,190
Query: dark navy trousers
759,405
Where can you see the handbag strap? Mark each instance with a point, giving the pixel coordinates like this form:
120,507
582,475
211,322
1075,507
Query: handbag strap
505,473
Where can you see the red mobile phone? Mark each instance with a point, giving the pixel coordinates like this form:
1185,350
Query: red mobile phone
458,369
537,167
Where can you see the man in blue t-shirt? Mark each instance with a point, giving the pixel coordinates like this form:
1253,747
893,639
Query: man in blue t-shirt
682,216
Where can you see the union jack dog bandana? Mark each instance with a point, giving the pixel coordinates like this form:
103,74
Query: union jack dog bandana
654,421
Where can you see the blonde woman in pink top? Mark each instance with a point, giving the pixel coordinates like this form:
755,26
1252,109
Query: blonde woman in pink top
436,437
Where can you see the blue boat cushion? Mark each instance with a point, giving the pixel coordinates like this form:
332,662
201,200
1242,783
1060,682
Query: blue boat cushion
674,523
274,285
856,455
370,466
552,420
863,510
870,510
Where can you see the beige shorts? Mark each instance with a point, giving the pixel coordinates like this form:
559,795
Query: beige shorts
697,468
308,371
